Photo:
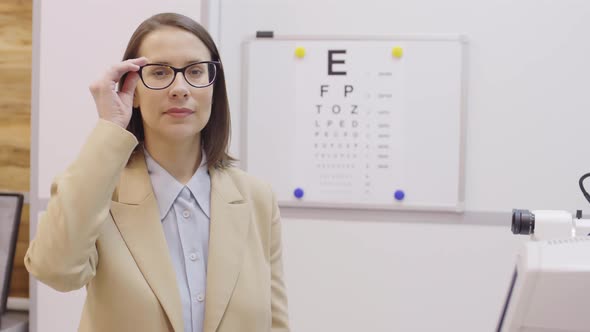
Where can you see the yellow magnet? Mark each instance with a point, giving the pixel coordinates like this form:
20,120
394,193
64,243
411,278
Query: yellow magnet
300,52
397,52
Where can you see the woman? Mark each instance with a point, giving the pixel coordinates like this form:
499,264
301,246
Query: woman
152,218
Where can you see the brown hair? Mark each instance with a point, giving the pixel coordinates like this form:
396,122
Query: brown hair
216,134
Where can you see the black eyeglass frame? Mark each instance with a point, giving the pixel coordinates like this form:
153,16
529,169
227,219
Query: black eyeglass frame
216,64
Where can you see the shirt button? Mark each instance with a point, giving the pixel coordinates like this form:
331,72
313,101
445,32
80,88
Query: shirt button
186,213
200,297
193,257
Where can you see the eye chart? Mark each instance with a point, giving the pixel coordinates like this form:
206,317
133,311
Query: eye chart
365,123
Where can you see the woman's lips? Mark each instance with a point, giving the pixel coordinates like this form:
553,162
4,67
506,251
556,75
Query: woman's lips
179,112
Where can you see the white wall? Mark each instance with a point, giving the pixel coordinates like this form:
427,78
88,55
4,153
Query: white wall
364,271
526,134
528,77
74,43
387,276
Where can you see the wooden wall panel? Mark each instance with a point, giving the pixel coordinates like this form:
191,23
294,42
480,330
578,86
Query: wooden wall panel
15,93
19,283
15,118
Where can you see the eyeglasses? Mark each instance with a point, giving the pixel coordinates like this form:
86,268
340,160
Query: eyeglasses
199,74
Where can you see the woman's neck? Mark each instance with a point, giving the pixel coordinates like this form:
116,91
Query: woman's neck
179,158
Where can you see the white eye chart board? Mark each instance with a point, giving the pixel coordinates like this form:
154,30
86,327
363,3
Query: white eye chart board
375,123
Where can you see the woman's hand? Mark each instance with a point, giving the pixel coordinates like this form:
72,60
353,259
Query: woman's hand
112,105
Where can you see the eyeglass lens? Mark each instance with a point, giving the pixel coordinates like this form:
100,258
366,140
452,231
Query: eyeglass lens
160,76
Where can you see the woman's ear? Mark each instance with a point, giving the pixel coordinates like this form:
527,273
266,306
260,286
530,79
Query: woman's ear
135,99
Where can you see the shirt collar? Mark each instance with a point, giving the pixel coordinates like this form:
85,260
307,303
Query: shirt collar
166,188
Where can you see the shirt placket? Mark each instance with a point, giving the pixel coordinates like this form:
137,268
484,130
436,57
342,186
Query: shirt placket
193,256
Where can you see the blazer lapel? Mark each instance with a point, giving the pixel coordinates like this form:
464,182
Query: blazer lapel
136,215
230,222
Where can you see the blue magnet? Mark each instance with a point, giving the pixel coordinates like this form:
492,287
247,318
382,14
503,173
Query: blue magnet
298,193
399,195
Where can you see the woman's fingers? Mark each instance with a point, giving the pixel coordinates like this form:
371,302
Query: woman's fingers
129,87
115,73
112,105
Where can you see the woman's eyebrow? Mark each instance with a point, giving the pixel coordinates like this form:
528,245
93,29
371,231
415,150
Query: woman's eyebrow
186,63
193,61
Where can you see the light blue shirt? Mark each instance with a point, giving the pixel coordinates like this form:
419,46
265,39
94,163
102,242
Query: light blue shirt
184,212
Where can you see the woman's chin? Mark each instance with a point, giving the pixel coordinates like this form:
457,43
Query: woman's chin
180,133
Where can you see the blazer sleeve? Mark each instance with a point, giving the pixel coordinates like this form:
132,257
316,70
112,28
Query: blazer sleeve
280,317
63,253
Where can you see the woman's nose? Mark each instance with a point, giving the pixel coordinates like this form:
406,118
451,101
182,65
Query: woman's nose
179,87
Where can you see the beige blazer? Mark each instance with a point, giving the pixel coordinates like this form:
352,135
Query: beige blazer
102,230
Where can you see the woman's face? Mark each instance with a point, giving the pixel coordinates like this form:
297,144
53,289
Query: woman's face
180,111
